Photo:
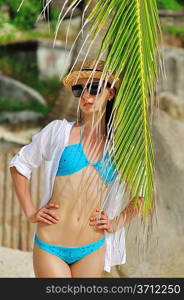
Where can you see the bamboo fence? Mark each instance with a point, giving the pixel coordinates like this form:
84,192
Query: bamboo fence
15,231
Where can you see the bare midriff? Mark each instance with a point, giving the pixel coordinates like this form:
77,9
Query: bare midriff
78,195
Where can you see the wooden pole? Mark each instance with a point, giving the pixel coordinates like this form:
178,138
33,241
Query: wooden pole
2,195
7,237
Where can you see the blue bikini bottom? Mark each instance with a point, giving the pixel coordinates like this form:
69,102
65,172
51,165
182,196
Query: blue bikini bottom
70,254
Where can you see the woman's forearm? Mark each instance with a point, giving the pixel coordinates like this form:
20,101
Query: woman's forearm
21,184
127,214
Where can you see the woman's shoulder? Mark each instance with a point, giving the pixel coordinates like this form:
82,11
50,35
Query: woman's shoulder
57,127
57,123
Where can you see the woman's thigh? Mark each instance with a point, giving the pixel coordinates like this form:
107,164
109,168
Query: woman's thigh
91,265
48,265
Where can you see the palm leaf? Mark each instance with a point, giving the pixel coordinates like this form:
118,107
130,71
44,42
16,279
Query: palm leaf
134,49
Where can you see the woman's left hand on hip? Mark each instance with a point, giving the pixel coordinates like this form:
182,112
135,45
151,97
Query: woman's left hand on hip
102,223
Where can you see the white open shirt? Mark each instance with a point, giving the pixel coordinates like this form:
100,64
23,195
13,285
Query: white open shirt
47,145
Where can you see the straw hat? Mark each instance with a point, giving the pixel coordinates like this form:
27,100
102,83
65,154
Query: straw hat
86,71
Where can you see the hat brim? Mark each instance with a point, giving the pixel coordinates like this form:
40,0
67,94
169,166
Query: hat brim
70,79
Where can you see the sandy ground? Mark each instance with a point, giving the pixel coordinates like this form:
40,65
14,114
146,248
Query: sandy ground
15,263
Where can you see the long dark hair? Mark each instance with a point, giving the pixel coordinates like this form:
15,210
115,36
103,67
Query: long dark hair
108,112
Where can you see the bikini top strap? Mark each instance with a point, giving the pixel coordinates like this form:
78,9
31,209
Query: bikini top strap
80,133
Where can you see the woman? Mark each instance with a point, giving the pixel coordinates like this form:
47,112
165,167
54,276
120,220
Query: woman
75,237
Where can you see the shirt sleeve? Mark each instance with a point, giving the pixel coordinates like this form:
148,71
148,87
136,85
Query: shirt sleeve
114,199
31,156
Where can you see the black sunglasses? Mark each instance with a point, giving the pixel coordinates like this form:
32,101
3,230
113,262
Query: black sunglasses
92,88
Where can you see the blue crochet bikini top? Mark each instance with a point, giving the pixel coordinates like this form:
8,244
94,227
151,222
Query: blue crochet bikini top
73,159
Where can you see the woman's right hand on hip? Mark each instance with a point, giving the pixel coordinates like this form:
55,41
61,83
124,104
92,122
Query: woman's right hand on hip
45,215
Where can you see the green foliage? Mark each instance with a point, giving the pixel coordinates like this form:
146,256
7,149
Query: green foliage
131,40
169,4
26,17
179,31
21,25
11,105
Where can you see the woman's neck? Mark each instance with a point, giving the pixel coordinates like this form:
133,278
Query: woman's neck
94,125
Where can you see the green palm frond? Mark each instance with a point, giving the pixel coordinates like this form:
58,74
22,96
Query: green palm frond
132,40
133,142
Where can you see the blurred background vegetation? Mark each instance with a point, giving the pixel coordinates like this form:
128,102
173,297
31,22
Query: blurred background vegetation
170,4
19,27
22,26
